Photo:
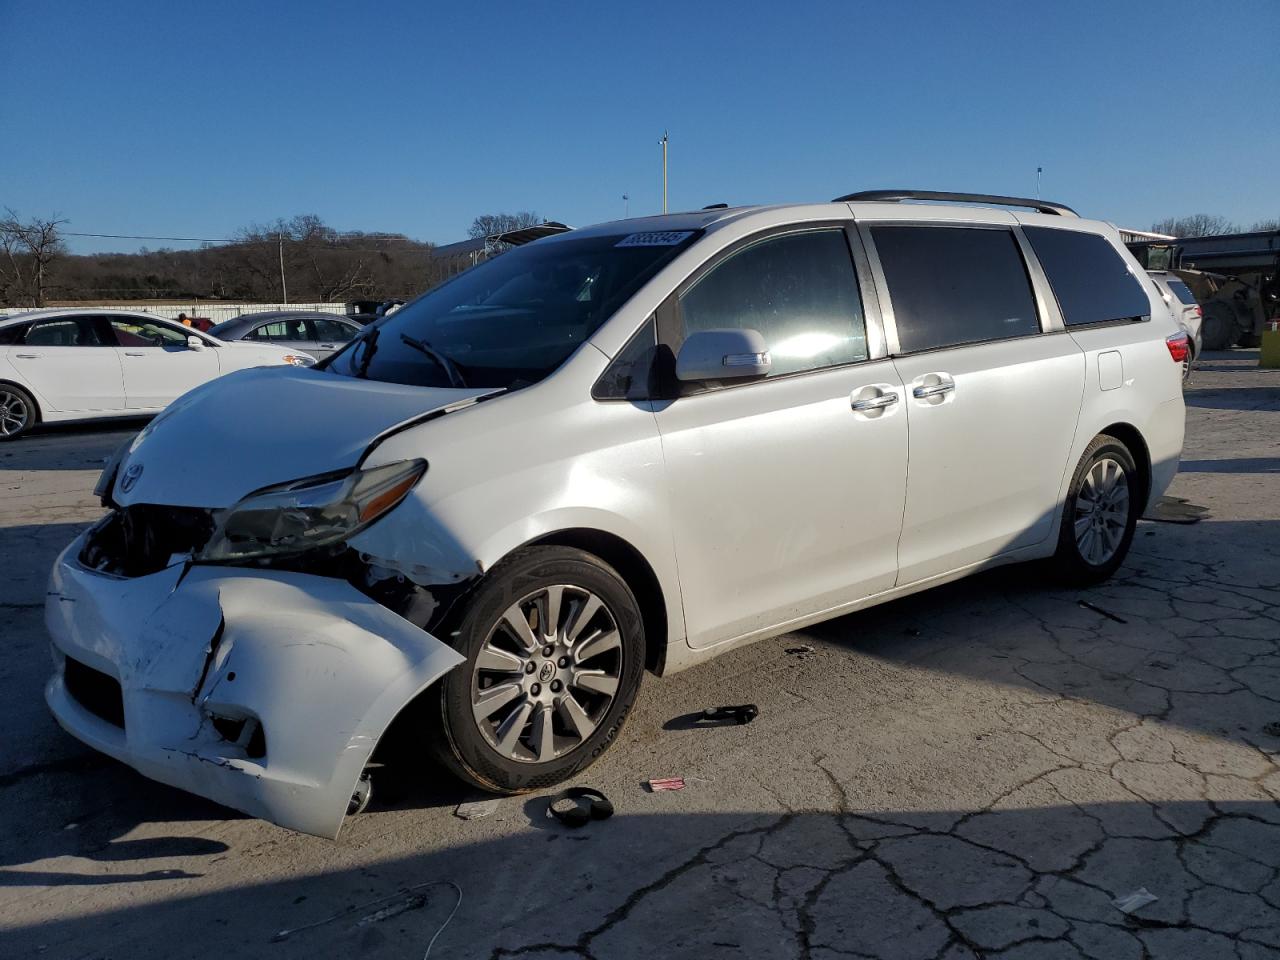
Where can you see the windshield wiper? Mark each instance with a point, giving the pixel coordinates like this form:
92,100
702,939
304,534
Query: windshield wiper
370,341
448,366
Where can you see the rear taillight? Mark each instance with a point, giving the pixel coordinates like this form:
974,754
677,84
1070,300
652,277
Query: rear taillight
1199,311
1179,349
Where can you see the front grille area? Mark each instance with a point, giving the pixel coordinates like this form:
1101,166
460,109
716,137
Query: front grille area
140,539
95,691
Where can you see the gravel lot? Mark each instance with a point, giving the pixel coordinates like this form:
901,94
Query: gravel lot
978,771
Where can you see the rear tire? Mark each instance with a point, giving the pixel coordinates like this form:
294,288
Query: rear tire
1100,514
554,646
1218,327
18,412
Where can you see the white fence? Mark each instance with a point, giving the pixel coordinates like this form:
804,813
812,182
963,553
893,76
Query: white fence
214,311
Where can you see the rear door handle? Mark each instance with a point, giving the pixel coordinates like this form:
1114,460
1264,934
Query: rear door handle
133,353
28,356
933,390
875,403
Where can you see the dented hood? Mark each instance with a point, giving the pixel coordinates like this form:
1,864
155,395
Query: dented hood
264,426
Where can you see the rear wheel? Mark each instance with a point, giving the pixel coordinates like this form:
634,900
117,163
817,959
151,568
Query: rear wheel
555,651
17,412
1101,512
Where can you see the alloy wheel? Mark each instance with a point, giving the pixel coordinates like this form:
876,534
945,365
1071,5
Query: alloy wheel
1102,511
547,674
14,414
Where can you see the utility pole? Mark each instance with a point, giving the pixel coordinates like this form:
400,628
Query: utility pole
664,171
284,289
626,206
1039,170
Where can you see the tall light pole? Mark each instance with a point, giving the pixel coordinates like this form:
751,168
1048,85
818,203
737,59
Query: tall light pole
284,289
664,171
1039,170
626,206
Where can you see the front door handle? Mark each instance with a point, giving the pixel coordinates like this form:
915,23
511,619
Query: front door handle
933,390
28,356
131,353
875,403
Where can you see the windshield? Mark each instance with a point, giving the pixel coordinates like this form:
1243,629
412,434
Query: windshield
511,320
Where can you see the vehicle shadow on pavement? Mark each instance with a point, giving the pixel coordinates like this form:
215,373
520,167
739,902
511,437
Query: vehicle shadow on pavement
1243,465
779,884
1235,398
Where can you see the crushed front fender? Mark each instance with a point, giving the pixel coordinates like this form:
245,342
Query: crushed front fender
264,691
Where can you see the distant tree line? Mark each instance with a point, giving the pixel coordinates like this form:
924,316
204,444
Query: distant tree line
320,264
1208,225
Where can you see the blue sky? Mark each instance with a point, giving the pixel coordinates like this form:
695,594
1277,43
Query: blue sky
189,119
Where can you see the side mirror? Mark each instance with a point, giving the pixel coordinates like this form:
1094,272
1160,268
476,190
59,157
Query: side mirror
194,342
732,354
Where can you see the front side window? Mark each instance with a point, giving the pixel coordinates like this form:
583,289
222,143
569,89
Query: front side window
67,332
145,333
332,331
955,285
513,319
1090,279
798,290
278,330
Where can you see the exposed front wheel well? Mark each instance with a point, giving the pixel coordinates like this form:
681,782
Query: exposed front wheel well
1130,436
635,570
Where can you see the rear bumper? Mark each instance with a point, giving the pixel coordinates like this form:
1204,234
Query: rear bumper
205,660
1164,436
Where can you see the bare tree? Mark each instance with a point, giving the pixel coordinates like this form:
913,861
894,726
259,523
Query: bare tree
491,224
1195,225
1272,224
29,248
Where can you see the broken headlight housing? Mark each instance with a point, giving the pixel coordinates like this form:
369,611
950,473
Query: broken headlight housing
319,511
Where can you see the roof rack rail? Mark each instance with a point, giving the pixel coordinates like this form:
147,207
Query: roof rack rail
893,196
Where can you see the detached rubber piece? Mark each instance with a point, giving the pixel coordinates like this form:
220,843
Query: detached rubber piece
578,806
1176,510
740,714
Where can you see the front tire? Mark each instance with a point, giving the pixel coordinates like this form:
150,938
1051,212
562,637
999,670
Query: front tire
554,646
18,412
1100,514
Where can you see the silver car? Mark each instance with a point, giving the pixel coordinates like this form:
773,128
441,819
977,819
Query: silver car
319,334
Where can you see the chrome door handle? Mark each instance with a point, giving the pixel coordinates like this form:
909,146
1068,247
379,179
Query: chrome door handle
131,353
933,390
875,403
28,356
326,346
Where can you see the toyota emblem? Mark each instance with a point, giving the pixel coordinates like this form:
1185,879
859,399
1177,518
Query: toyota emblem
130,478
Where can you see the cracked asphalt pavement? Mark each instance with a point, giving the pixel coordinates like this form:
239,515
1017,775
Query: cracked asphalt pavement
979,771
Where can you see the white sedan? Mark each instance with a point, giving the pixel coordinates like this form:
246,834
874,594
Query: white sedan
85,363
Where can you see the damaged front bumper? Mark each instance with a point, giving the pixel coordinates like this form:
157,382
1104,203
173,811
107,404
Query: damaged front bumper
265,691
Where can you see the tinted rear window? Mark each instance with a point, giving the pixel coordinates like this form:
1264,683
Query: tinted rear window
954,285
1182,292
1090,279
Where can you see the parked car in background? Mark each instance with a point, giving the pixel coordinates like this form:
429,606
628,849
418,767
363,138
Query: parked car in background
630,446
319,334
1184,306
86,363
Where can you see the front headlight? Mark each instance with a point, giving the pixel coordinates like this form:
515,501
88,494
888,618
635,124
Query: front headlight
305,514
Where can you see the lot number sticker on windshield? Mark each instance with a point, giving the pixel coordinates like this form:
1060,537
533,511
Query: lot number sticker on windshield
666,238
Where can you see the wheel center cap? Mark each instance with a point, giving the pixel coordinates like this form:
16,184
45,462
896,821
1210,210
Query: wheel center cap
546,671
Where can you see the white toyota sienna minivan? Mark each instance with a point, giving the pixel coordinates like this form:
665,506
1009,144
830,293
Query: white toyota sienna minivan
632,446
